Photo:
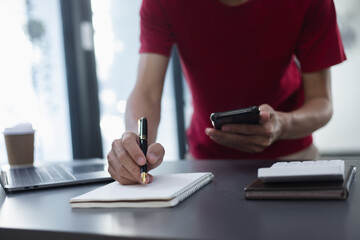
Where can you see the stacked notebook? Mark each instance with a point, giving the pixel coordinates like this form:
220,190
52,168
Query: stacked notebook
165,191
322,179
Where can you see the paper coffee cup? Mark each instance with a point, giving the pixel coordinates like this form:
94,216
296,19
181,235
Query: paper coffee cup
19,141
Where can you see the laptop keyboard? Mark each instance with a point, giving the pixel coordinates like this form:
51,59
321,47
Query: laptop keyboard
31,176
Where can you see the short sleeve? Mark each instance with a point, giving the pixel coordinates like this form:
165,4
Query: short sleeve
156,35
320,44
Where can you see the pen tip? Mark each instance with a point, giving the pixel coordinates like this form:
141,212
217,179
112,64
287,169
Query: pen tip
143,177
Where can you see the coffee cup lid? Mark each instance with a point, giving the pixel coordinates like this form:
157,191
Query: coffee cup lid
22,128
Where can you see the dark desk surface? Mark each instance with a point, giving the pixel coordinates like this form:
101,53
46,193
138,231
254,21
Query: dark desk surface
218,211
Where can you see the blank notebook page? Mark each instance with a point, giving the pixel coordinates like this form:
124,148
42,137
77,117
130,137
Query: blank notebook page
162,188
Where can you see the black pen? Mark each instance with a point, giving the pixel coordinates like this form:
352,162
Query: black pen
142,125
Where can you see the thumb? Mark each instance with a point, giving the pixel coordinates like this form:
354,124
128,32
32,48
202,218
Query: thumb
264,117
155,155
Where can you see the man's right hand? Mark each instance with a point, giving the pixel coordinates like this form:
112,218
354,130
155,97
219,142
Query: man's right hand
126,157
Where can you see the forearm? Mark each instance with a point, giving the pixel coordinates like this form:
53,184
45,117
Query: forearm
317,108
314,114
125,156
145,99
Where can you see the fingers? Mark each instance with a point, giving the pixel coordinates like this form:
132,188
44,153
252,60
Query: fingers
120,177
126,157
124,177
131,144
122,166
250,137
247,143
155,155
247,129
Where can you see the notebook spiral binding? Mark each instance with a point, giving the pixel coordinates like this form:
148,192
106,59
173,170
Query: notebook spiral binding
190,189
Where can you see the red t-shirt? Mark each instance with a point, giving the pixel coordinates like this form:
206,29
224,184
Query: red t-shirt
235,57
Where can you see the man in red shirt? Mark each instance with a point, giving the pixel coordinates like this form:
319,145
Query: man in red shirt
275,54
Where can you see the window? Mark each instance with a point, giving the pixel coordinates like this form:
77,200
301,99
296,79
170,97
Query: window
33,83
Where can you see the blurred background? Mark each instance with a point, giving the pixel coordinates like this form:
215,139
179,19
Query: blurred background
68,67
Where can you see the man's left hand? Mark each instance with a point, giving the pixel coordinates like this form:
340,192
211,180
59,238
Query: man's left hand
251,137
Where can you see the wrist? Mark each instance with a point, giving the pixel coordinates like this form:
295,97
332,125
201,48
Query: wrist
285,120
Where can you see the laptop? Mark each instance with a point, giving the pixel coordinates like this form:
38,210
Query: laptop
46,175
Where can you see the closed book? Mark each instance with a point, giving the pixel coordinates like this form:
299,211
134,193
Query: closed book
165,191
302,190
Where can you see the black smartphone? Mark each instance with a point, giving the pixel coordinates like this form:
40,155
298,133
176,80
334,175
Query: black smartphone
244,115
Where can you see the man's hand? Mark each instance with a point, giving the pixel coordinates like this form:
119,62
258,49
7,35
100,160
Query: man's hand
126,157
312,115
251,137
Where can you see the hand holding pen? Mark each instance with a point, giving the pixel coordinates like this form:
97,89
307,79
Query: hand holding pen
128,158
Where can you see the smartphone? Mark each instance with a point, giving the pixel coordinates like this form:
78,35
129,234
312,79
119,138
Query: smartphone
244,115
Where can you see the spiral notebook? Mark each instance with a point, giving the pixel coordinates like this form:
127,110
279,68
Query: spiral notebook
165,191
